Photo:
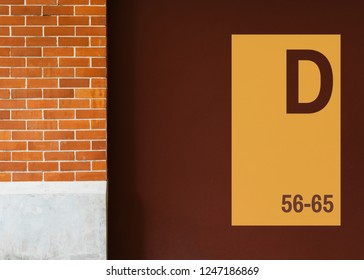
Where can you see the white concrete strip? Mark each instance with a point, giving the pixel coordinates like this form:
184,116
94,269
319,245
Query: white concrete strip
53,220
84,187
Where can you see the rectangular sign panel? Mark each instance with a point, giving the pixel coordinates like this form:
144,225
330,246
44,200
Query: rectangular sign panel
285,130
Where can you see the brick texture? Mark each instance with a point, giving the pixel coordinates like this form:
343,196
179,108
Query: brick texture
53,90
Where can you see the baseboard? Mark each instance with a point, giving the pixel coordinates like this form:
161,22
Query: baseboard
53,220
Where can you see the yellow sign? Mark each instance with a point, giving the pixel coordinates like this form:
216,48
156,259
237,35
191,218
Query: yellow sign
285,130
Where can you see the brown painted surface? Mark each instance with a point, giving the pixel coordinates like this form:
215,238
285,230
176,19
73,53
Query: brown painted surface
169,129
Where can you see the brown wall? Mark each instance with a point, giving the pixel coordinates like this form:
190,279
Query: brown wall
169,120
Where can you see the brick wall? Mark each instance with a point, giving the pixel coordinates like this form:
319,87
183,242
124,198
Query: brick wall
52,90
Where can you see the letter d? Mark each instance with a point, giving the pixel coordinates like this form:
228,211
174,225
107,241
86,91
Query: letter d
293,105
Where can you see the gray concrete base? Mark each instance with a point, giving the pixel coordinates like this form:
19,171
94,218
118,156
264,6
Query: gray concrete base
53,220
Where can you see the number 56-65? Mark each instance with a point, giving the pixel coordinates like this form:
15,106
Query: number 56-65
317,204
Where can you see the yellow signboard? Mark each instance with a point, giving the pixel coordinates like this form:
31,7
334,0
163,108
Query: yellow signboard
285,130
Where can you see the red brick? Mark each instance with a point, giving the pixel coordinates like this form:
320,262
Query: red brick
99,155
74,83
7,104
57,10
59,176
42,146
12,83
8,146
26,52
90,31
4,115
59,114
74,103
26,93
11,2
13,166
99,134
98,83
58,93
91,72
72,166
75,145
13,20
50,71
12,62
41,41
73,41
90,176
72,2
98,41
4,31
91,52
59,31
42,104
5,177
99,145
99,165
44,2
26,72
12,41
99,62
4,10
27,135
98,2
42,166
90,93
4,93
12,125
39,20
98,21
91,114
27,177
4,51
42,83
98,103
26,114
59,156
4,72
27,156
26,31
41,125
5,135
58,52
4,156
59,135
26,10
58,72
76,124
90,10
42,62
64,20
74,62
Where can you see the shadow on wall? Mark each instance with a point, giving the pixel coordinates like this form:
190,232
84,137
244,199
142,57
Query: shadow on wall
125,213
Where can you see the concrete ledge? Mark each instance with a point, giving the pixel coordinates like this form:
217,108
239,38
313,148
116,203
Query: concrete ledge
53,220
